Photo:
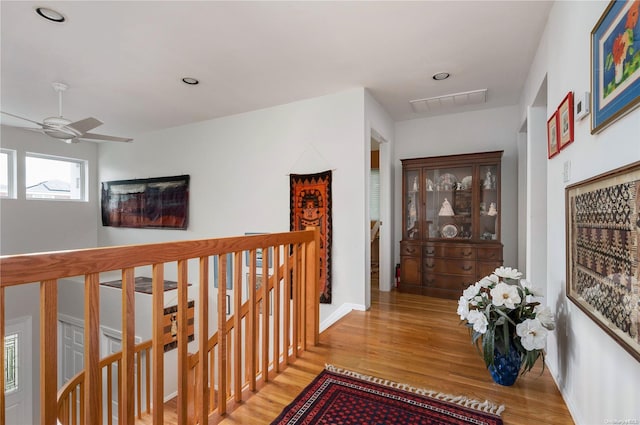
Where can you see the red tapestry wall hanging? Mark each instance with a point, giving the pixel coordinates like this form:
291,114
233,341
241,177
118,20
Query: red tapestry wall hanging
310,204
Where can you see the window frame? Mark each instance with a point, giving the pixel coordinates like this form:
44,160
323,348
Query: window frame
12,192
83,173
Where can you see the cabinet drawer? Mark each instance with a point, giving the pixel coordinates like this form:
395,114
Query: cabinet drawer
410,273
445,281
490,253
412,249
466,252
462,267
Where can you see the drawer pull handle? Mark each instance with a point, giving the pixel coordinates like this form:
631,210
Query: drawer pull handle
411,250
466,254
430,252
430,281
430,266
466,268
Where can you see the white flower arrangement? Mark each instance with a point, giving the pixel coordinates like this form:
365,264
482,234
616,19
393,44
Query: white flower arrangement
501,311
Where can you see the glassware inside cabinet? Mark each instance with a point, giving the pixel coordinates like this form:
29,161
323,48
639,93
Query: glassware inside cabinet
449,202
412,187
488,208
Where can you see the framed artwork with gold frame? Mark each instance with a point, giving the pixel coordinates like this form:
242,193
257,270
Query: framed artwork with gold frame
552,135
603,252
565,121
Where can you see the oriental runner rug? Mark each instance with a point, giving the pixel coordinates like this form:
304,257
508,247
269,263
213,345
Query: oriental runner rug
339,396
310,205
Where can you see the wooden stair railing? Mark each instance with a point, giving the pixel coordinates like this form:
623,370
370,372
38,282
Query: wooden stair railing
268,330
71,396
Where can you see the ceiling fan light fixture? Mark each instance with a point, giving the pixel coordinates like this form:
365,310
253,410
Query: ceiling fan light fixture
439,76
50,14
191,81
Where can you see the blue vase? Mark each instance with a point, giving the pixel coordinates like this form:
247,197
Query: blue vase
506,367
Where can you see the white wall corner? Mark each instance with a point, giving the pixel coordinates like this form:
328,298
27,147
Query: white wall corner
573,410
339,313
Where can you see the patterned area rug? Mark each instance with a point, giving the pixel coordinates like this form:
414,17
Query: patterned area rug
339,396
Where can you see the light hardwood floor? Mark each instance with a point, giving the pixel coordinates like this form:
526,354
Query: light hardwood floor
409,339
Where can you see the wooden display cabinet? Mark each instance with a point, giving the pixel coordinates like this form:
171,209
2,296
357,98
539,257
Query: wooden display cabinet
450,221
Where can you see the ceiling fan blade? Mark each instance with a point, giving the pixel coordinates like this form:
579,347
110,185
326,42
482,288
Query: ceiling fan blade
39,130
23,118
85,125
102,137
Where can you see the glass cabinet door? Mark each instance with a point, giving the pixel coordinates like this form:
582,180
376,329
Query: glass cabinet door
449,202
412,209
489,209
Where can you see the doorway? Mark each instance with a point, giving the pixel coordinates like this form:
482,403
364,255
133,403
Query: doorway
374,214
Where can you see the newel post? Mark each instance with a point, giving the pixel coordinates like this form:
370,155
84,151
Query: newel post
313,293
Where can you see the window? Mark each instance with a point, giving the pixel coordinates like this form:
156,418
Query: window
11,363
50,177
7,173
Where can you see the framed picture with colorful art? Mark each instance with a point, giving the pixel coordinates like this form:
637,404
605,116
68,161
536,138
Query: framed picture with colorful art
615,64
552,135
565,121
603,252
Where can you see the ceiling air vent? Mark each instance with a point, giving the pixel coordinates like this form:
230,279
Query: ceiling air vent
438,103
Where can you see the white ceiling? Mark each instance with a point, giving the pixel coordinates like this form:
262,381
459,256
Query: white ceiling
123,61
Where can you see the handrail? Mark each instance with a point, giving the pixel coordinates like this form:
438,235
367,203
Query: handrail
281,316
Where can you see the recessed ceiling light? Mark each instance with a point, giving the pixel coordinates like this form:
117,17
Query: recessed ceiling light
190,81
50,14
441,76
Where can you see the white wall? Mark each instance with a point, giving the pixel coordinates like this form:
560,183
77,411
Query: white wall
239,168
596,376
468,132
39,225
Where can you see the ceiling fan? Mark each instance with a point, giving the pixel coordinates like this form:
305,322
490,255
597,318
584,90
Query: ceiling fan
70,132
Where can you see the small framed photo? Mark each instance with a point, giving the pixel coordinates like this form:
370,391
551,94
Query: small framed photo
552,135
259,253
565,121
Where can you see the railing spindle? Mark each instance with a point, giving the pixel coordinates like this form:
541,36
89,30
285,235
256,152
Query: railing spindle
183,378
48,340
202,383
158,343
276,309
222,335
311,284
109,394
147,361
252,347
264,293
126,401
296,303
237,325
287,304
92,376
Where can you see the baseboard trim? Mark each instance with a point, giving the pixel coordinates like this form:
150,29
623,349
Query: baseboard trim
338,314
573,411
